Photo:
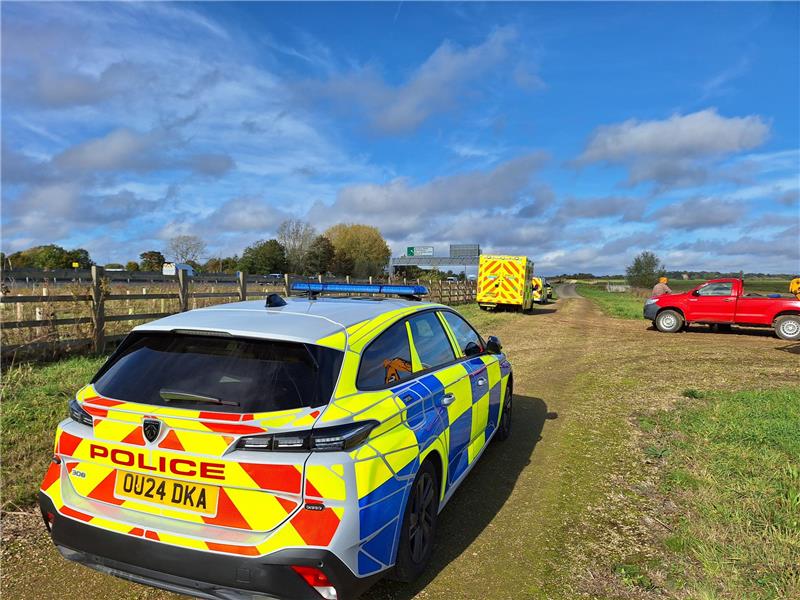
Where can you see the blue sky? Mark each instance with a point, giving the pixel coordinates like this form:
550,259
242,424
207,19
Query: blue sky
578,134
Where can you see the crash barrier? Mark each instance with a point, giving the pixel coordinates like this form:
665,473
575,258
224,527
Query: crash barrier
95,315
616,287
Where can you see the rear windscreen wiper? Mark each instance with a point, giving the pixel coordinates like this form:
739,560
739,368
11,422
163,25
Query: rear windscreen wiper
178,396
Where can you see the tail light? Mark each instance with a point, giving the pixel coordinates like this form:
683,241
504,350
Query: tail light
317,579
77,413
324,439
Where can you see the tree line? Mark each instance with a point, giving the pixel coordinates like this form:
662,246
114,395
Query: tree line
344,249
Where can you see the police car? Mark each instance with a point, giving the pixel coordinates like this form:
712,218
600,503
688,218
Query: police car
301,449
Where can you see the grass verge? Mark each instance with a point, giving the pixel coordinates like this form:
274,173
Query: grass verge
733,467
621,305
34,401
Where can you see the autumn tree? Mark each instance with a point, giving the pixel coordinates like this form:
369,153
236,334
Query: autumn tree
264,257
186,248
319,256
131,265
359,247
228,264
296,237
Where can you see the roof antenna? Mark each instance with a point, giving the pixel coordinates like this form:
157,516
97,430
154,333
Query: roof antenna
274,301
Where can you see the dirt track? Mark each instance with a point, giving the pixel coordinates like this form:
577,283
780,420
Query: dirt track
542,515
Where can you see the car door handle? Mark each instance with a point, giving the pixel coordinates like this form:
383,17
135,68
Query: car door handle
448,399
481,381
728,300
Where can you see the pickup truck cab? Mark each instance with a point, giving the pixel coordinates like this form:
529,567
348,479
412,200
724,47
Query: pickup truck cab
724,302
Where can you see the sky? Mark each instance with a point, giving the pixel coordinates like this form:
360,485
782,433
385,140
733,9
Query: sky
578,134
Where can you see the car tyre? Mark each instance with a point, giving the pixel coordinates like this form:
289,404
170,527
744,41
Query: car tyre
504,428
419,525
669,321
787,327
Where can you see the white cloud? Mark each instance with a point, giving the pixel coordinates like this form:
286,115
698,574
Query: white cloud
680,151
118,150
700,213
703,133
436,85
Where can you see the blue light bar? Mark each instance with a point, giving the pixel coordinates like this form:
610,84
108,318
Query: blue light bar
360,288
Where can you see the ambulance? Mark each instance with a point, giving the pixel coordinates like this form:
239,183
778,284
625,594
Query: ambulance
505,281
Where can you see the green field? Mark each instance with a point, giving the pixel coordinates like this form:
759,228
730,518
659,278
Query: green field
732,462
622,305
34,402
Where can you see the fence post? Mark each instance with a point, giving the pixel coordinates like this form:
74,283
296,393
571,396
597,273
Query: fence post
242,286
286,289
98,310
319,278
347,278
183,290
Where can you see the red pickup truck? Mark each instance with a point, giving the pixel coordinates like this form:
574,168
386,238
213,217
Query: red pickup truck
723,302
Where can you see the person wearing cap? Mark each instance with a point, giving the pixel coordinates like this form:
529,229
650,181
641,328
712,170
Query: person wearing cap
661,287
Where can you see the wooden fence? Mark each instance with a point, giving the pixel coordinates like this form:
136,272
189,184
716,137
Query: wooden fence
88,308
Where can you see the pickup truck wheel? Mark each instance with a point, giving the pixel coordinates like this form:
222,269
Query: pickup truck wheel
787,327
669,321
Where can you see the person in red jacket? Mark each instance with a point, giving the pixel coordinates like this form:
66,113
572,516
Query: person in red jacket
661,287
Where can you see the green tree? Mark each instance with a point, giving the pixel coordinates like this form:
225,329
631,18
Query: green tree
342,264
152,260
644,271
80,256
131,265
49,257
361,245
264,257
113,266
319,256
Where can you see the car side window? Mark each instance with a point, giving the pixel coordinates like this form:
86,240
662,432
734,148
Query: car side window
466,337
387,359
430,340
716,289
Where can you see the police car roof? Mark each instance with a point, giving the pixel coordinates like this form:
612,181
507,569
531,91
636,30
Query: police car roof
301,320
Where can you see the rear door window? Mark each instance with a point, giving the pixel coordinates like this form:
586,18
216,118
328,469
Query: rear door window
467,338
387,360
430,340
223,374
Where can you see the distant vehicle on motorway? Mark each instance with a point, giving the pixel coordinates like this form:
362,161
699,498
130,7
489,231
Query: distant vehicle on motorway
297,449
723,302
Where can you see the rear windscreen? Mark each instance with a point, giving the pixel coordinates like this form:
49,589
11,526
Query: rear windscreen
223,374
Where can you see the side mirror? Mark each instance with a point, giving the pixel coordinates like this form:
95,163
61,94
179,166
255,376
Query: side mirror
696,293
493,345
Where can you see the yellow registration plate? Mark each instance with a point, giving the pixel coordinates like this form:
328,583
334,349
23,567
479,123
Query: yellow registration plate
180,494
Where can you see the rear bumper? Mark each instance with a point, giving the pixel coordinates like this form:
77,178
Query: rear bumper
195,573
650,311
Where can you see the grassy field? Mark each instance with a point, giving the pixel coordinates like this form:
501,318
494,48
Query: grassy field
34,402
622,305
731,461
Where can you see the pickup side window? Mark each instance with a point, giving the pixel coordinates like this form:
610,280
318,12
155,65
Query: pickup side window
716,289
